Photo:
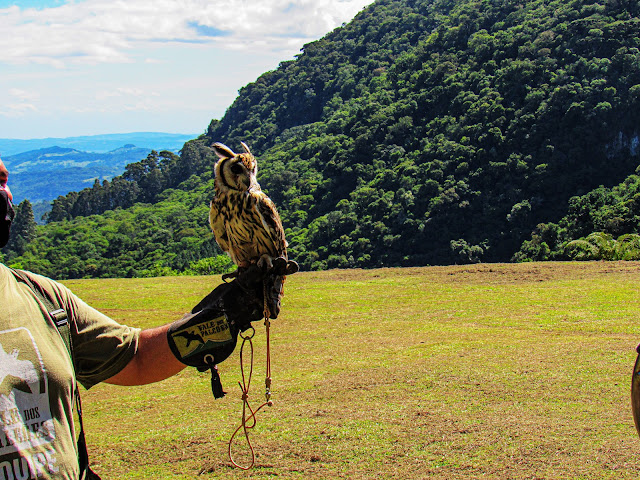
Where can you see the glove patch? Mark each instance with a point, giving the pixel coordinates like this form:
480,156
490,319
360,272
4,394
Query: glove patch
191,340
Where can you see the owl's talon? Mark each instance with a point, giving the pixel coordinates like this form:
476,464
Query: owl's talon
265,263
291,267
279,266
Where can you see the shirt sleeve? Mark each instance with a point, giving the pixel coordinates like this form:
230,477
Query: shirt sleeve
101,346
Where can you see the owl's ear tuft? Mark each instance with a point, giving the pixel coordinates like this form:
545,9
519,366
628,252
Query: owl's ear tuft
222,151
245,147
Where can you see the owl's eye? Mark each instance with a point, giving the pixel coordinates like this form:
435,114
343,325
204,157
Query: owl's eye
236,169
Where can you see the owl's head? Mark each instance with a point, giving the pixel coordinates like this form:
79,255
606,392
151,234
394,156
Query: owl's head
235,171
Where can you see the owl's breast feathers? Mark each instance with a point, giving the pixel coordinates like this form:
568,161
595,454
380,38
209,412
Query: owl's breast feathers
216,220
247,225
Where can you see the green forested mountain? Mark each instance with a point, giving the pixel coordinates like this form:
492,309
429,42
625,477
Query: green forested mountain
422,132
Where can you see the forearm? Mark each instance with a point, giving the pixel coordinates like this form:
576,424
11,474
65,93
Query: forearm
152,362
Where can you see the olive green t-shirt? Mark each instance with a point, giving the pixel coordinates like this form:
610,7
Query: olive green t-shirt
37,382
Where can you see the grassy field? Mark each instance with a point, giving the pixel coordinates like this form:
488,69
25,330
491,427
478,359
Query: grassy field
487,371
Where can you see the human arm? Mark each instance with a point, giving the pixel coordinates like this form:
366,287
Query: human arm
208,331
152,362
204,337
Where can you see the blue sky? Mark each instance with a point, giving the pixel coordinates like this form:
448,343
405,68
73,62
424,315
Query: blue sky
31,3
106,66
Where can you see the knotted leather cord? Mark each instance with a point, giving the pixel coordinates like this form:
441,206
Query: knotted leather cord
267,325
249,422
246,384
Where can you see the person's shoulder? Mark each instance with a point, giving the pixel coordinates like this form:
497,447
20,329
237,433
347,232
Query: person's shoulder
5,273
41,281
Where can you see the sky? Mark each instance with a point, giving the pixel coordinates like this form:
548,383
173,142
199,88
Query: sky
87,67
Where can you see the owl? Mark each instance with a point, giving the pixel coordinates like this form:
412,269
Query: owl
244,220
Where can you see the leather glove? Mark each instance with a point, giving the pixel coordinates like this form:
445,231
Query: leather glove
208,334
635,391
273,284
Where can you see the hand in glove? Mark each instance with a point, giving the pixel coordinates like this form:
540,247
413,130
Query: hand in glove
274,283
208,334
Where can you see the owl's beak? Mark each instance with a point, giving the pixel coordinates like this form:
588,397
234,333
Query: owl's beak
250,183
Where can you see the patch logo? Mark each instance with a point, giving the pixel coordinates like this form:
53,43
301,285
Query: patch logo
191,340
25,413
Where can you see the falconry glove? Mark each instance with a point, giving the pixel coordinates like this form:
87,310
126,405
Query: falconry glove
208,334
272,283
635,391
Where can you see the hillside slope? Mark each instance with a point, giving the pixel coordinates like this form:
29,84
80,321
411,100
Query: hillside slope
430,132
422,132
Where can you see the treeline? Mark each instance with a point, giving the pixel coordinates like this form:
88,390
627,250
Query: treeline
137,225
422,132
170,237
601,225
142,181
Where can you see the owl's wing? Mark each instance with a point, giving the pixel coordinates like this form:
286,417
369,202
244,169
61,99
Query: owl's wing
272,224
216,221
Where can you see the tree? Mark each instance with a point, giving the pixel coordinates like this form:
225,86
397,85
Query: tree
23,230
423,132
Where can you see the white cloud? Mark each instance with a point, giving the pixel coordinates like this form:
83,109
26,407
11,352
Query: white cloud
106,31
136,92
17,102
105,66
15,110
121,92
23,94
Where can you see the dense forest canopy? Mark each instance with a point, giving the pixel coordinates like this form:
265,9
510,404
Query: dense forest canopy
422,132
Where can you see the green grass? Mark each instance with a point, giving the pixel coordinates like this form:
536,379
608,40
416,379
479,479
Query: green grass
488,371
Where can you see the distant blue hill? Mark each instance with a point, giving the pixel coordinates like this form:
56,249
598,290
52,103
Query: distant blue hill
99,143
44,174
41,169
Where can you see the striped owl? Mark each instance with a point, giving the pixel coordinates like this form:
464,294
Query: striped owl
244,220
